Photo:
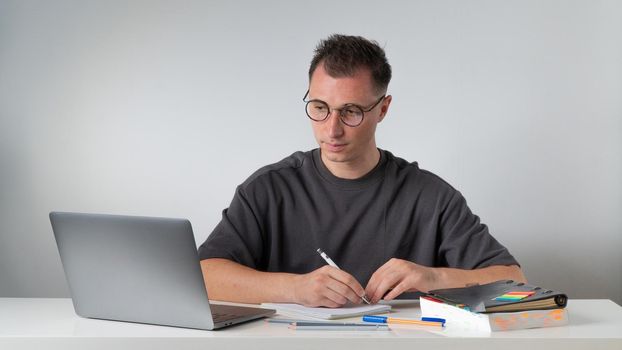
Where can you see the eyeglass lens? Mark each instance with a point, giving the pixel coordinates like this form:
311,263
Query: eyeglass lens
351,115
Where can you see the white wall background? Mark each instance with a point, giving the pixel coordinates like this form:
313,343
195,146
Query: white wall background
162,107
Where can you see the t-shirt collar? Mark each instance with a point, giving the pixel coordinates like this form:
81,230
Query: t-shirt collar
373,176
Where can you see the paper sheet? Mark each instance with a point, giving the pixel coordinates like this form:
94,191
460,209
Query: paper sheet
329,313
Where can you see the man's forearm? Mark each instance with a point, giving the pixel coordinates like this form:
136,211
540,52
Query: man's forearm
230,281
454,278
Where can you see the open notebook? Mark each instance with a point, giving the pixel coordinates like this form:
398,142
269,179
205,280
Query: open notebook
328,313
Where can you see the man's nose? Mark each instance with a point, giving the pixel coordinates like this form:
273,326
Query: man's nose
335,126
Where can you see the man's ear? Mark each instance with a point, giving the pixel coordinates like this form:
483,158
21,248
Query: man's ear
385,108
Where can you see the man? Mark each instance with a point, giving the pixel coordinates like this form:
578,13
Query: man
389,225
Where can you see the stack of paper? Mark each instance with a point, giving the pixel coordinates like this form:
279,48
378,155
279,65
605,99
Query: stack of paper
465,320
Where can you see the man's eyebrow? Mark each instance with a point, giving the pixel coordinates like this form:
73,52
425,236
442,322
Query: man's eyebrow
342,105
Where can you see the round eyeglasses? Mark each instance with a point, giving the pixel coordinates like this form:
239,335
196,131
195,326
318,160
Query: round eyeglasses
350,114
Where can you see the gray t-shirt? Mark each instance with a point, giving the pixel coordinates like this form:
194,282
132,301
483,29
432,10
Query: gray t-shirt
284,212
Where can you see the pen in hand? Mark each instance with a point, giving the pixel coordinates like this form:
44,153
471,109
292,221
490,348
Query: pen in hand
330,262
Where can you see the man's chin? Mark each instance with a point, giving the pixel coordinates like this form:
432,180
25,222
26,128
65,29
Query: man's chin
337,157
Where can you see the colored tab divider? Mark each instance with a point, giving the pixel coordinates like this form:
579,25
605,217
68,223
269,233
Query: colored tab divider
514,296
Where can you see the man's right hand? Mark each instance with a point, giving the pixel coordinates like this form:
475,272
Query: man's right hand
327,286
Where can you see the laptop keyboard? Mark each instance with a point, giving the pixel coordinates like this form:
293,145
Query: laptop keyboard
224,314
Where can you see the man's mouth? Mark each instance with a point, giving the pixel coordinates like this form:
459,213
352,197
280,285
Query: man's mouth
335,147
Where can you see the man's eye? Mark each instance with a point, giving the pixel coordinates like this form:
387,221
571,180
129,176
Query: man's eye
352,112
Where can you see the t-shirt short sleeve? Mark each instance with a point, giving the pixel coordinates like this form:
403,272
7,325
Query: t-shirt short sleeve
238,235
466,242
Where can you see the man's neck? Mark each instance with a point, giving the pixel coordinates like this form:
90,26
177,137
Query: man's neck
354,169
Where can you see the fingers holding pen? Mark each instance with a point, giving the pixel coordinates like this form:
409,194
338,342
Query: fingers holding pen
346,278
346,285
327,286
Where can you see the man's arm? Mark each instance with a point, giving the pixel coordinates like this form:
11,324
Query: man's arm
398,276
326,286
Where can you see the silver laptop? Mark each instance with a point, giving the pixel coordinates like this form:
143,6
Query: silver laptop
139,269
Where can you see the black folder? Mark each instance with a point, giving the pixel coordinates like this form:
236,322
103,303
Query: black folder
488,297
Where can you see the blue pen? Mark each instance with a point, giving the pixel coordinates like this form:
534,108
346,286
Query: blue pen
384,319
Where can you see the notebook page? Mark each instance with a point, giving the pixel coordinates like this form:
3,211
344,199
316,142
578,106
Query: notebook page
329,313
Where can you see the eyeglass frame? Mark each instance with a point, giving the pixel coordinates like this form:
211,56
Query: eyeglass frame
341,117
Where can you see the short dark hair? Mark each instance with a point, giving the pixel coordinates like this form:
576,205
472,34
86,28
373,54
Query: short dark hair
343,55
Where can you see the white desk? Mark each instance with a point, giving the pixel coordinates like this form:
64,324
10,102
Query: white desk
27,323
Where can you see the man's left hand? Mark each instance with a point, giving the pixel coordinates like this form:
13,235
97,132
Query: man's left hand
398,276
